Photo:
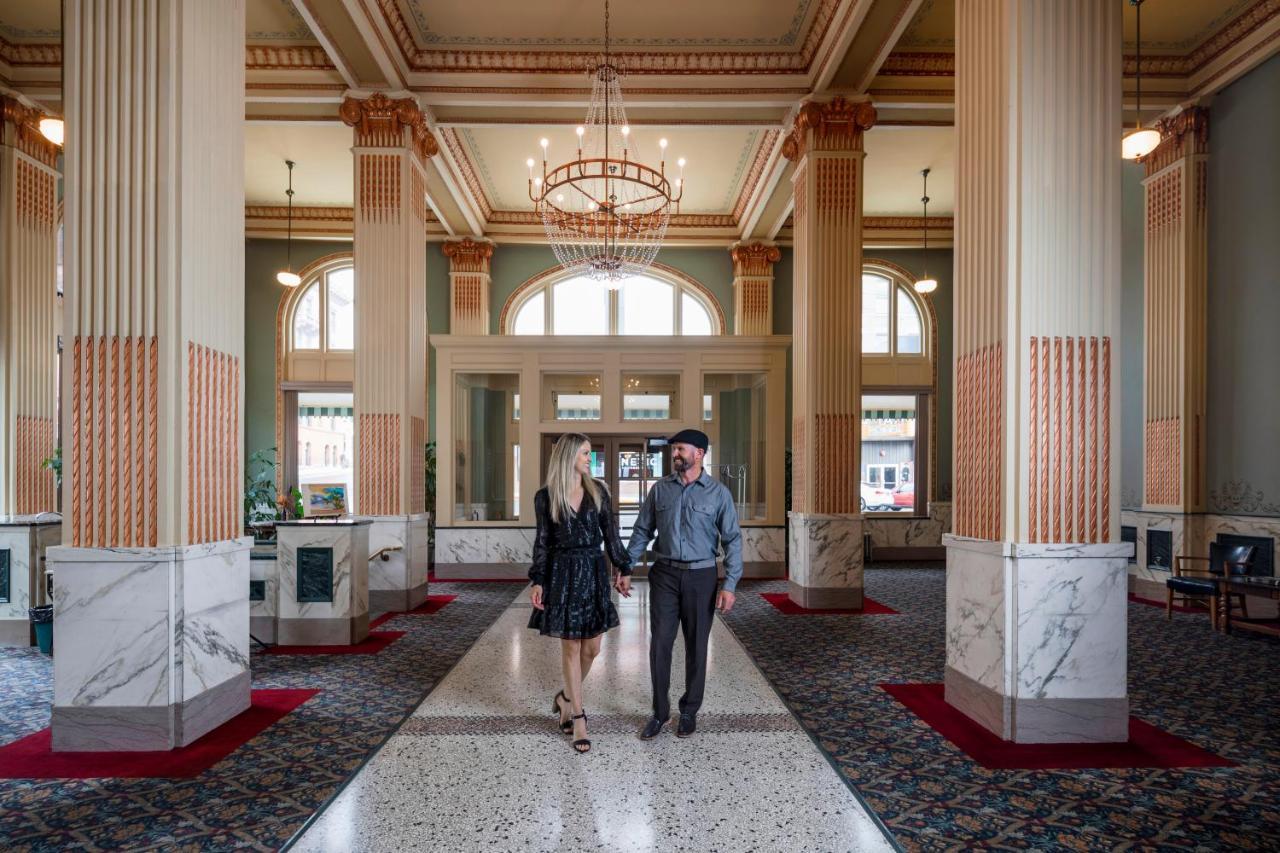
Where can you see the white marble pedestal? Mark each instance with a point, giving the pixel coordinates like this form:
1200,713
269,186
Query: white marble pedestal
23,540
264,593
1037,649
151,644
826,560
398,582
332,613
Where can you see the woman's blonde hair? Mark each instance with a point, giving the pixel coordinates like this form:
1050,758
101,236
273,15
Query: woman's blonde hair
562,478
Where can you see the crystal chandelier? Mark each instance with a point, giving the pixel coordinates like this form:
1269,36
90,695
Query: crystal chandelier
605,214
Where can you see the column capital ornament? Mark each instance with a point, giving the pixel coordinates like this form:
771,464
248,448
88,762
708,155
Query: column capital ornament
754,258
379,119
19,127
834,125
467,255
1182,134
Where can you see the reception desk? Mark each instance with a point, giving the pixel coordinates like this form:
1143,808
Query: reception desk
322,569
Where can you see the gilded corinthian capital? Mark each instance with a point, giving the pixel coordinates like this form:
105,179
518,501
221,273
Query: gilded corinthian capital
467,255
754,259
379,119
834,125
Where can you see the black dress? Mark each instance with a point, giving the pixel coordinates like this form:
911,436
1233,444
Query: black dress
569,565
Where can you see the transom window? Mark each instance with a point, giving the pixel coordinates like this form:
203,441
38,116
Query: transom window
891,321
324,316
643,305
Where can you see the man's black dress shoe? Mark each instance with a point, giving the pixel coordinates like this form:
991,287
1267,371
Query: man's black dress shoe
652,728
688,725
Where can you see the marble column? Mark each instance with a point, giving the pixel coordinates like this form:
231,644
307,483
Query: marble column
392,145
753,287
1036,578
1175,303
151,588
28,308
322,571
825,538
23,542
469,285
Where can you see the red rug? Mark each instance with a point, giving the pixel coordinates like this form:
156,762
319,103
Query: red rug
433,604
1147,747
784,604
32,757
433,579
1177,608
371,645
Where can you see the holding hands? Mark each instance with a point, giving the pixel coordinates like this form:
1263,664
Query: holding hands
622,583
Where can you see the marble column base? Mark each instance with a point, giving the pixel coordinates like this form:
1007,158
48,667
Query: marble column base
1036,639
323,631
826,560
152,644
343,617
16,632
23,541
400,581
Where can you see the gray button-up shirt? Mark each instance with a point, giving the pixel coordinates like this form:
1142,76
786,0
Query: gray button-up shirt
689,521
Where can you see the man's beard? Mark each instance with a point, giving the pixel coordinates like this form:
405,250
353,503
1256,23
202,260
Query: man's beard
680,464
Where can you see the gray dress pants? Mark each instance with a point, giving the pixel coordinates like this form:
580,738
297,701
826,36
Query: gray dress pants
686,599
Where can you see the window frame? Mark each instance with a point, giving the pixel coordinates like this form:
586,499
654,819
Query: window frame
544,283
923,313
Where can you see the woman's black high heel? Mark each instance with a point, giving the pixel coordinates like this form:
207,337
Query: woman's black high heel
581,745
566,726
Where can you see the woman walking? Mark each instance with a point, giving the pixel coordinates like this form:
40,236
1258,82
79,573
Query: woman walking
571,582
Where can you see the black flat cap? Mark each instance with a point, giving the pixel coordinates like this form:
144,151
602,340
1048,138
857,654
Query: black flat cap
697,438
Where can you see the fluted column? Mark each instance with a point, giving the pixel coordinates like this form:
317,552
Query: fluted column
1175,273
1036,580
391,146
753,287
825,540
469,284
28,304
152,592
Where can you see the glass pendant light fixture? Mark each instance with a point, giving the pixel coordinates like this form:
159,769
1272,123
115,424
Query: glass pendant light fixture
1140,141
287,276
52,128
926,284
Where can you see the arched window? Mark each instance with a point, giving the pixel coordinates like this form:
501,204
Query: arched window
663,302
324,312
891,319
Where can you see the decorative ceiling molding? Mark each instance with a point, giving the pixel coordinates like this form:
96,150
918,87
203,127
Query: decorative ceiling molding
31,55
638,62
764,152
286,57
458,154
905,223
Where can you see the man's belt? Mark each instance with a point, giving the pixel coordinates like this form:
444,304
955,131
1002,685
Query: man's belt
678,564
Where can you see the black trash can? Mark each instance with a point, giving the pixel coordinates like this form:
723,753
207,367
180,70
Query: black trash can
42,619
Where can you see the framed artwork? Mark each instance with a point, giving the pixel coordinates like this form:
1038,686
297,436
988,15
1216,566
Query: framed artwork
320,499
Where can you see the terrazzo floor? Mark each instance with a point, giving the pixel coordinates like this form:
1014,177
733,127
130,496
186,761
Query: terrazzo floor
481,765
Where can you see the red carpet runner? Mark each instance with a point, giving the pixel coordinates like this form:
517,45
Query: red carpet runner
433,604
371,645
33,758
870,607
1148,746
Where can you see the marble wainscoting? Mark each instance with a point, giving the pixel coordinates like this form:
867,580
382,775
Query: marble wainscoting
1036,639
826,560
399,582
1187,532
764,552
909,538
23,542
263,611
152,644
332,609
483,552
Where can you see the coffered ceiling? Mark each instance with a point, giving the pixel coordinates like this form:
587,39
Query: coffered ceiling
719,78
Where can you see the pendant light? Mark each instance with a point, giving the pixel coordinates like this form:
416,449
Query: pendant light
287,276
1140,141
926,284
51,128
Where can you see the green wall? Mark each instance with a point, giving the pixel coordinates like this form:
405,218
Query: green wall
1131,319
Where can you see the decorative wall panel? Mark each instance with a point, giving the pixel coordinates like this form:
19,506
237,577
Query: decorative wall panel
213,445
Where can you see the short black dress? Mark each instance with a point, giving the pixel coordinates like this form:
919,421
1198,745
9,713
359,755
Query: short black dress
569,565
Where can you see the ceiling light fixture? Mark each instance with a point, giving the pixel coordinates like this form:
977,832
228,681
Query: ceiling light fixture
287,276
926,284
1140,141
605,214
52,128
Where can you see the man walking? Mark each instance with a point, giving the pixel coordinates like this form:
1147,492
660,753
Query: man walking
691,513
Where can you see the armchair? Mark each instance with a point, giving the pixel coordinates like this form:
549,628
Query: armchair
1193,584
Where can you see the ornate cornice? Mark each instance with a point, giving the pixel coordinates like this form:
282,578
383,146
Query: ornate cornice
31,54
467,255
273,57
1181,134
469,176
906,223
304,214
19,127
378,121
637,62
919,64
763,155
834,125
754,259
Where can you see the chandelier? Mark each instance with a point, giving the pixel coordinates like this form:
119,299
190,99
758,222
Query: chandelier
605,214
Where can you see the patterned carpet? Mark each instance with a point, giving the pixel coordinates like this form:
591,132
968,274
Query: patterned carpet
1218,692
258,797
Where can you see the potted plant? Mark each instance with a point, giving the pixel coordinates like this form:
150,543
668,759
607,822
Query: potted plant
260,494
431,504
